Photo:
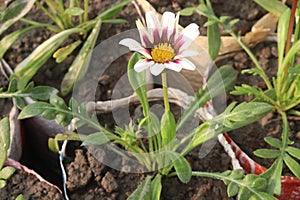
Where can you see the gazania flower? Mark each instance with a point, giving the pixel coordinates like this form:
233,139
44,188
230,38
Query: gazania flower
162,46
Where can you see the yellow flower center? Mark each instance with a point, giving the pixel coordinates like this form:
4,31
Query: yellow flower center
162,53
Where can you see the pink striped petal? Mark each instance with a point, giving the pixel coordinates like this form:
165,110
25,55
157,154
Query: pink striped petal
168,24
188,35
143,64
146,39
186,53
186,64
175,30
157,68
153,26
173,66
135,46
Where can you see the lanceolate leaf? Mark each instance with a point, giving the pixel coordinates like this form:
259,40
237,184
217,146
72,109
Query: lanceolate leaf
143,191
8,40
273,175
114,10
28,67
282,36
183,169
168,128
4,140
81,62
42,92
156,187
293,151
275,7
273,142
214,40
34,109
267,153
187,11
181,165
138,83
16,10
292,164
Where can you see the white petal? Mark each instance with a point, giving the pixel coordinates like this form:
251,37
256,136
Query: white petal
186,53
173,66
135,46
168,23
146,38
188,35
186,64
153,25
143,64
157,68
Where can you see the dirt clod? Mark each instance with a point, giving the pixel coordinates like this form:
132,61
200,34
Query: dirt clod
78,171
109,183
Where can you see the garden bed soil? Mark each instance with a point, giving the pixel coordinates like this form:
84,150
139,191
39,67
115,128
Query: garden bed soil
90,179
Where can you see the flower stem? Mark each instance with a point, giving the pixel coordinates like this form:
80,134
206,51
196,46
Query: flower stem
165,90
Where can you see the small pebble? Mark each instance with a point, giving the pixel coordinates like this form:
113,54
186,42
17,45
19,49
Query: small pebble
265,53
252,14
298,135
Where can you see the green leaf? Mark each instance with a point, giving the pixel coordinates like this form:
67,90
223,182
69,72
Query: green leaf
68,135
53,145
221,81
114,21
138,83
62,53
244,114
34,109
20,197
294,70
273,6
246,89
267,153
95,139
245,193
232,189
273,175
143,191
202,134
293,151
4,140
273,142
42,92
16,10
29,66
181,166
237,174
2,183
80,64
282,29
260,183
74,11
292,164
114,10
10,39
214,40
6,172
187,11
156,187
293,50
168,128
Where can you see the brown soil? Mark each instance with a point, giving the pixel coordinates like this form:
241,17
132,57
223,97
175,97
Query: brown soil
90,179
